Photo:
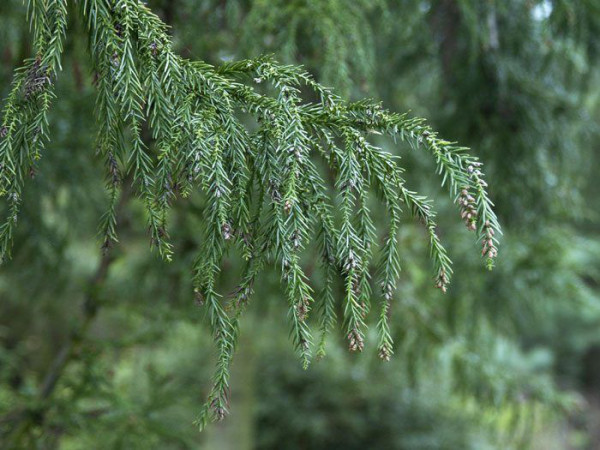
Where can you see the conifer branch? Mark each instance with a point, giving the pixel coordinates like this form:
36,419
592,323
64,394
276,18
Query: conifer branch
200,142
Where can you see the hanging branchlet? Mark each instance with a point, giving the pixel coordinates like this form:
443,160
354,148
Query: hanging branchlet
24,123
489,226
261,185
385,348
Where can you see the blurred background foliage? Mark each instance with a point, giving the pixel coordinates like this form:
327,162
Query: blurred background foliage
113,353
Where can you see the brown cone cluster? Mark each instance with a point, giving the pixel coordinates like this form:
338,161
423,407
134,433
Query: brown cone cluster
442,281
489,248
355,341
468,211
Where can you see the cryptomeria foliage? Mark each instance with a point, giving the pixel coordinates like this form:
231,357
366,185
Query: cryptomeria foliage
176,127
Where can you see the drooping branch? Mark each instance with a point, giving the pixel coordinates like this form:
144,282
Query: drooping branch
258,175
